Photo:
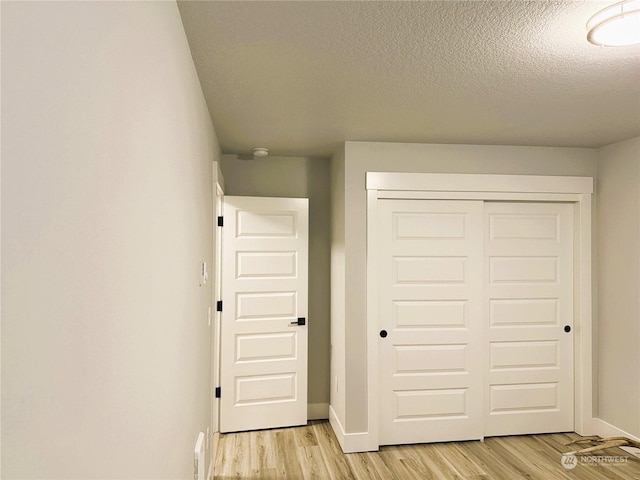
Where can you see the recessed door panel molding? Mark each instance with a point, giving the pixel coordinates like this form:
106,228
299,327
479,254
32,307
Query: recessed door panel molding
266,265
266,224
266,305
526,312
429,314
523,354
523,269
430,404
418,226
265,389
524,227
259,347
264,293
429,270
524,398
430,359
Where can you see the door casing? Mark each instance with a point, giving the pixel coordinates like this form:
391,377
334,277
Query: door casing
214,316
574,190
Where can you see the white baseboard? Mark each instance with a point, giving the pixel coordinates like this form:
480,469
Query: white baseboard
317,411
605,429
350,442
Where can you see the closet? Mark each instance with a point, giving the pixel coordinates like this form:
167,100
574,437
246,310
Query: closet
475,317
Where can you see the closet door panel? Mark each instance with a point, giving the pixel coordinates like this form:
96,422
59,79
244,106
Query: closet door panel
430,306
529,302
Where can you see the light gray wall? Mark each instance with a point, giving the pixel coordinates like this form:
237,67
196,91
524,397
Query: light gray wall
304,177
361,157
338,287
618,305
107,146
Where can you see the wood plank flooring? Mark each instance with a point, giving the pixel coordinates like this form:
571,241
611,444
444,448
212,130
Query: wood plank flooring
313,452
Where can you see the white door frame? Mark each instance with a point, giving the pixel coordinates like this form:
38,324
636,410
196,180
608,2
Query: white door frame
575,190
218,193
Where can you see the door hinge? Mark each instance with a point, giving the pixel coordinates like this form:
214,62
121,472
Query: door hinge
220,221
218,392
219,306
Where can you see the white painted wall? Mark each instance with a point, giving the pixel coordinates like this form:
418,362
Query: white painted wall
303,177
618,292
361,157
106,216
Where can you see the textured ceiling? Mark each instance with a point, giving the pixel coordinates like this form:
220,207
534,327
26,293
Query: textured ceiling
302,77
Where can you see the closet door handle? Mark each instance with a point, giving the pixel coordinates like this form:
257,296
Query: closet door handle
567,328
383,333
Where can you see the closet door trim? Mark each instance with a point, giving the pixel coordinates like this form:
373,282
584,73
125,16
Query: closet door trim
574,190
453,182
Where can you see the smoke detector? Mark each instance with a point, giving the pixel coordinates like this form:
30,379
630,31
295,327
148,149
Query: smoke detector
260,152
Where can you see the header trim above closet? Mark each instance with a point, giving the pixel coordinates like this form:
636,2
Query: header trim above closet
451,182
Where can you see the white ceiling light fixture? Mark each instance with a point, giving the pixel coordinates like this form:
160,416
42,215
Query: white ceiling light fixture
616,26
260,152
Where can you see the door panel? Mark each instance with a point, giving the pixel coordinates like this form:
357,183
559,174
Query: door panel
430,303
264,292
529,285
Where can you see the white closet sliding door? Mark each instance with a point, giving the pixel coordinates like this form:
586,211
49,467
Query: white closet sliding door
430,304
529,305
473,301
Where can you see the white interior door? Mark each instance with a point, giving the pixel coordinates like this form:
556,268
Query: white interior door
430,307
264,313
529,304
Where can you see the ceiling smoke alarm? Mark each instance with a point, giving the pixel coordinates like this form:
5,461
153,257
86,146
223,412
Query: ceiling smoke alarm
260,152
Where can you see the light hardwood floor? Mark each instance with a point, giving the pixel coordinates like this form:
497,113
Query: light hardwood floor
312,452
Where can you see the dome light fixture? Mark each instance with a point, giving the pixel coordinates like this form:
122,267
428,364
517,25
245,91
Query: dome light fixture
617,25
260,152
